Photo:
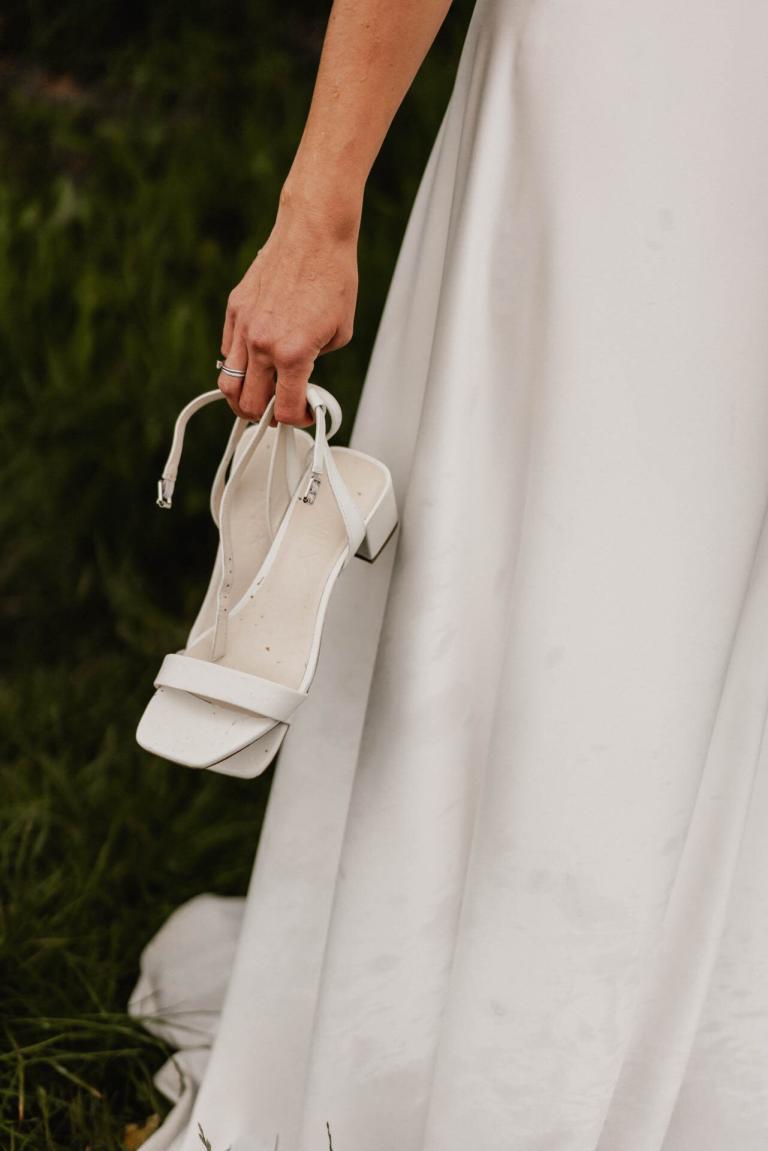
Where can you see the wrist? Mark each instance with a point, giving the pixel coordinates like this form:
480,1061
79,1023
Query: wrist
326,202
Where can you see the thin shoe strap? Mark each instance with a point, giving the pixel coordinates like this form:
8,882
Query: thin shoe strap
219,480
167,481
285,471
284,463
218,641
323,403
229,685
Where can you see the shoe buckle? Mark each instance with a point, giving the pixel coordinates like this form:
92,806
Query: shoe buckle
164,492
311,489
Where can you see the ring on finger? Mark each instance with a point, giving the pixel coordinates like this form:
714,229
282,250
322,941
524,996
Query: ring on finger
222,367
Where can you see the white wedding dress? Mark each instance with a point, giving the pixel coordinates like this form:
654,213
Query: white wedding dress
511,893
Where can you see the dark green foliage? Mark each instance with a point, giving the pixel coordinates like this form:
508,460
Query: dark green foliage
142,150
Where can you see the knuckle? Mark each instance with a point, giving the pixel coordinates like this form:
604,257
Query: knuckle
258,337
293,353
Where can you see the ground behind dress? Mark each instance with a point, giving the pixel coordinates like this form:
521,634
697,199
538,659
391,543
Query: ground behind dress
511,893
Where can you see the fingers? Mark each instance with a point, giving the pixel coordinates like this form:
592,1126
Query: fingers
294,366
292,361
249,397
258,386
291,397
237,359
251,344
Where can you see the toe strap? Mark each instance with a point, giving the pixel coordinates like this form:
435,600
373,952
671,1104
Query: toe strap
229,686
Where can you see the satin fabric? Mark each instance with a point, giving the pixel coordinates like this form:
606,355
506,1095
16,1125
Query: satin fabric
512,887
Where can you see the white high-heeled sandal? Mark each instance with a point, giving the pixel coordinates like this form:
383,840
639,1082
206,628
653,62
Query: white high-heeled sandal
225,702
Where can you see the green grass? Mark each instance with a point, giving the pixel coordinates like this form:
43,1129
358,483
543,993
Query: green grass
140,163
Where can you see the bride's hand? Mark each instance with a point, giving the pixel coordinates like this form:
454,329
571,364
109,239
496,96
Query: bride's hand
296,301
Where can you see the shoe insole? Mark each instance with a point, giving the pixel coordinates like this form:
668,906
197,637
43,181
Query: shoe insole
248,506
271,630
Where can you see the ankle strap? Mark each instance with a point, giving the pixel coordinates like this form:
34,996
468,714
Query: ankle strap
285,466
167,481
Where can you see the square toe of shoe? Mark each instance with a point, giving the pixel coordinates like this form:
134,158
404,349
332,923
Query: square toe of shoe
187,729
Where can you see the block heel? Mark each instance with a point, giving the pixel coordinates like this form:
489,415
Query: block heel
380,527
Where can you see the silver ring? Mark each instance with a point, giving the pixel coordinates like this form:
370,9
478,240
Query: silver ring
222,367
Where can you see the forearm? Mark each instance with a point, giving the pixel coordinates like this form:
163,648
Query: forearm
297,299
371,53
